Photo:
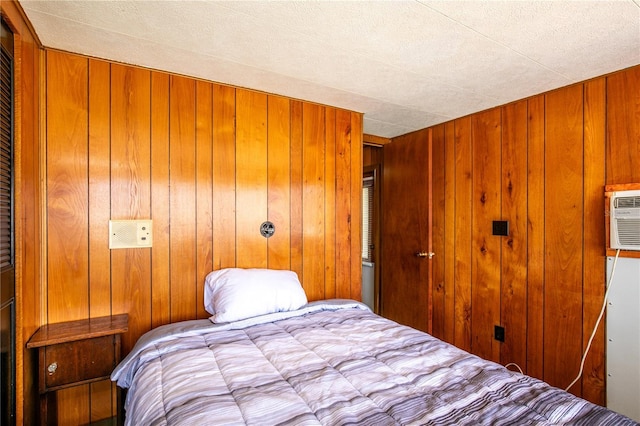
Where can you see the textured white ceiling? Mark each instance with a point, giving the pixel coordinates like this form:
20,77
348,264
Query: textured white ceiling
405,64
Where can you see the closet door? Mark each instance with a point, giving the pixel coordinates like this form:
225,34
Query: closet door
406,231
7,270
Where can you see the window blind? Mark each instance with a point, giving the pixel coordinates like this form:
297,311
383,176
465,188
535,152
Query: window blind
6,161
367,218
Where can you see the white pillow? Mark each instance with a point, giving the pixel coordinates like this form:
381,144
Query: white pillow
233,294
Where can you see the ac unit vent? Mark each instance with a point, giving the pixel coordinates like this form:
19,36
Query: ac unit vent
629,232
627,202
625,220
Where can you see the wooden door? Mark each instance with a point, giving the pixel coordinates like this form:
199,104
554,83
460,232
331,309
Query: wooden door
406,231
7,226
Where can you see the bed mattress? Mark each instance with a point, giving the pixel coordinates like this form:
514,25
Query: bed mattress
330,363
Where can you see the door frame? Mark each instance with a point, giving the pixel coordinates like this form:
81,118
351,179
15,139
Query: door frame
376,171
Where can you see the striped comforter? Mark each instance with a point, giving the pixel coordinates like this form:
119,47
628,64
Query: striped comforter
330,363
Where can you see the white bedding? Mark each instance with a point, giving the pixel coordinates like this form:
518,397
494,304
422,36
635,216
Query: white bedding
331,363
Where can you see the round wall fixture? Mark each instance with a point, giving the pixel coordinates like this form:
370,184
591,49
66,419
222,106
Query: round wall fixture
267,229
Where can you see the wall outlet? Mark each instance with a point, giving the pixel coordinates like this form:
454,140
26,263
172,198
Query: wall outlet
501,227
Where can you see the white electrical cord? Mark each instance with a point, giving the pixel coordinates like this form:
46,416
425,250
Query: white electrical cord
595,328
513,364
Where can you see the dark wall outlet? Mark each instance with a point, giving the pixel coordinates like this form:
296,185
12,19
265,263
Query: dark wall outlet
501,227
498,333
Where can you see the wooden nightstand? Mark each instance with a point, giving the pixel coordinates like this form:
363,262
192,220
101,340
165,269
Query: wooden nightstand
76,353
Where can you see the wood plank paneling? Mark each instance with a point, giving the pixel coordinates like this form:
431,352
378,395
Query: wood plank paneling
623,127
486,248
73,405
463,232
160,265
102,400
99,209
251,178
561,163
313,200
557,152
182,198
343,204
438,183
535,237
67,187
208,163
204,188
279,182
99,187
513,292
130,193
448,256
371,155
330,203
224,177
296,188
593,380
355,188
563,233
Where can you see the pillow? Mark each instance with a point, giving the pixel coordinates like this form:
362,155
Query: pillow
233,294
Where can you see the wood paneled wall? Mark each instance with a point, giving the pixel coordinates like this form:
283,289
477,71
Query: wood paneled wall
541,163
372,155
208,163
27,198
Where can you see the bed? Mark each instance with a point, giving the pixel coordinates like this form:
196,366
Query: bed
331,362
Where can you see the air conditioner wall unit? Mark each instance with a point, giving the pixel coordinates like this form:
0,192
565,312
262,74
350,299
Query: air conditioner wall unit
624,216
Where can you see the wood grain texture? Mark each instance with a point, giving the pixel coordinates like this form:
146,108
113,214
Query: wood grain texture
73,405
330,236
130,193
463,232
67,187
371,155
355,133
251,178
343,204
448,256
103,402
564,234
535,237
279,182
208,164
204,188
513,292
71,161
28,60
623,127
593,379
438,182
160,264
486,248
99,187
182,198
224,177
313,200
405,231
296,188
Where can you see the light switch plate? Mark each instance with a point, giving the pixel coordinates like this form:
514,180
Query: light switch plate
136,233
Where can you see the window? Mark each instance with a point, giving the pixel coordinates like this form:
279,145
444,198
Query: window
368,215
